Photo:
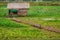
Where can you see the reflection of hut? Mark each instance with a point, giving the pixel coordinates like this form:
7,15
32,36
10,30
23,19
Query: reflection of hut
18,8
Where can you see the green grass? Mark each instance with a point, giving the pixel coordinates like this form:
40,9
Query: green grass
44,11
10,30
38,20
37,11
3,12
8,23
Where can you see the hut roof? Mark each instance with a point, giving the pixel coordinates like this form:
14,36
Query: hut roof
17,5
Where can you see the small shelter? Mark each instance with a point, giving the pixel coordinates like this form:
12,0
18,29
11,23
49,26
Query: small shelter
18,8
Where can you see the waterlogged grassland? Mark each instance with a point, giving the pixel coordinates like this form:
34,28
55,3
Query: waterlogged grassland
10,30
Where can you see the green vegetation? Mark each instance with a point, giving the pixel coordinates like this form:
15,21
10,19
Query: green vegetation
37,11
3,11
8,23
50,3
10,30
38,20
44,11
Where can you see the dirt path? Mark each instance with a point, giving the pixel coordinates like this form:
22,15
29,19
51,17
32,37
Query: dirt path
37,25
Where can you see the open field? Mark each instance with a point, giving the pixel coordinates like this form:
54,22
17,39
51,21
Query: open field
44,11
37,11
10,30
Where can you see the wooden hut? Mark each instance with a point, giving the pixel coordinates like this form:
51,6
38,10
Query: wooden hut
18,8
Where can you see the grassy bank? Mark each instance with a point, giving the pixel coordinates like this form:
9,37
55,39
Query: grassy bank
10,30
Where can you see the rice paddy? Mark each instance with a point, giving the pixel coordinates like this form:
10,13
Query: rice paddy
10,30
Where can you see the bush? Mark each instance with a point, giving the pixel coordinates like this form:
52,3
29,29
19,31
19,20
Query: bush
44,3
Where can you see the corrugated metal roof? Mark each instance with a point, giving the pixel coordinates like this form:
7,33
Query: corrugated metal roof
17,5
